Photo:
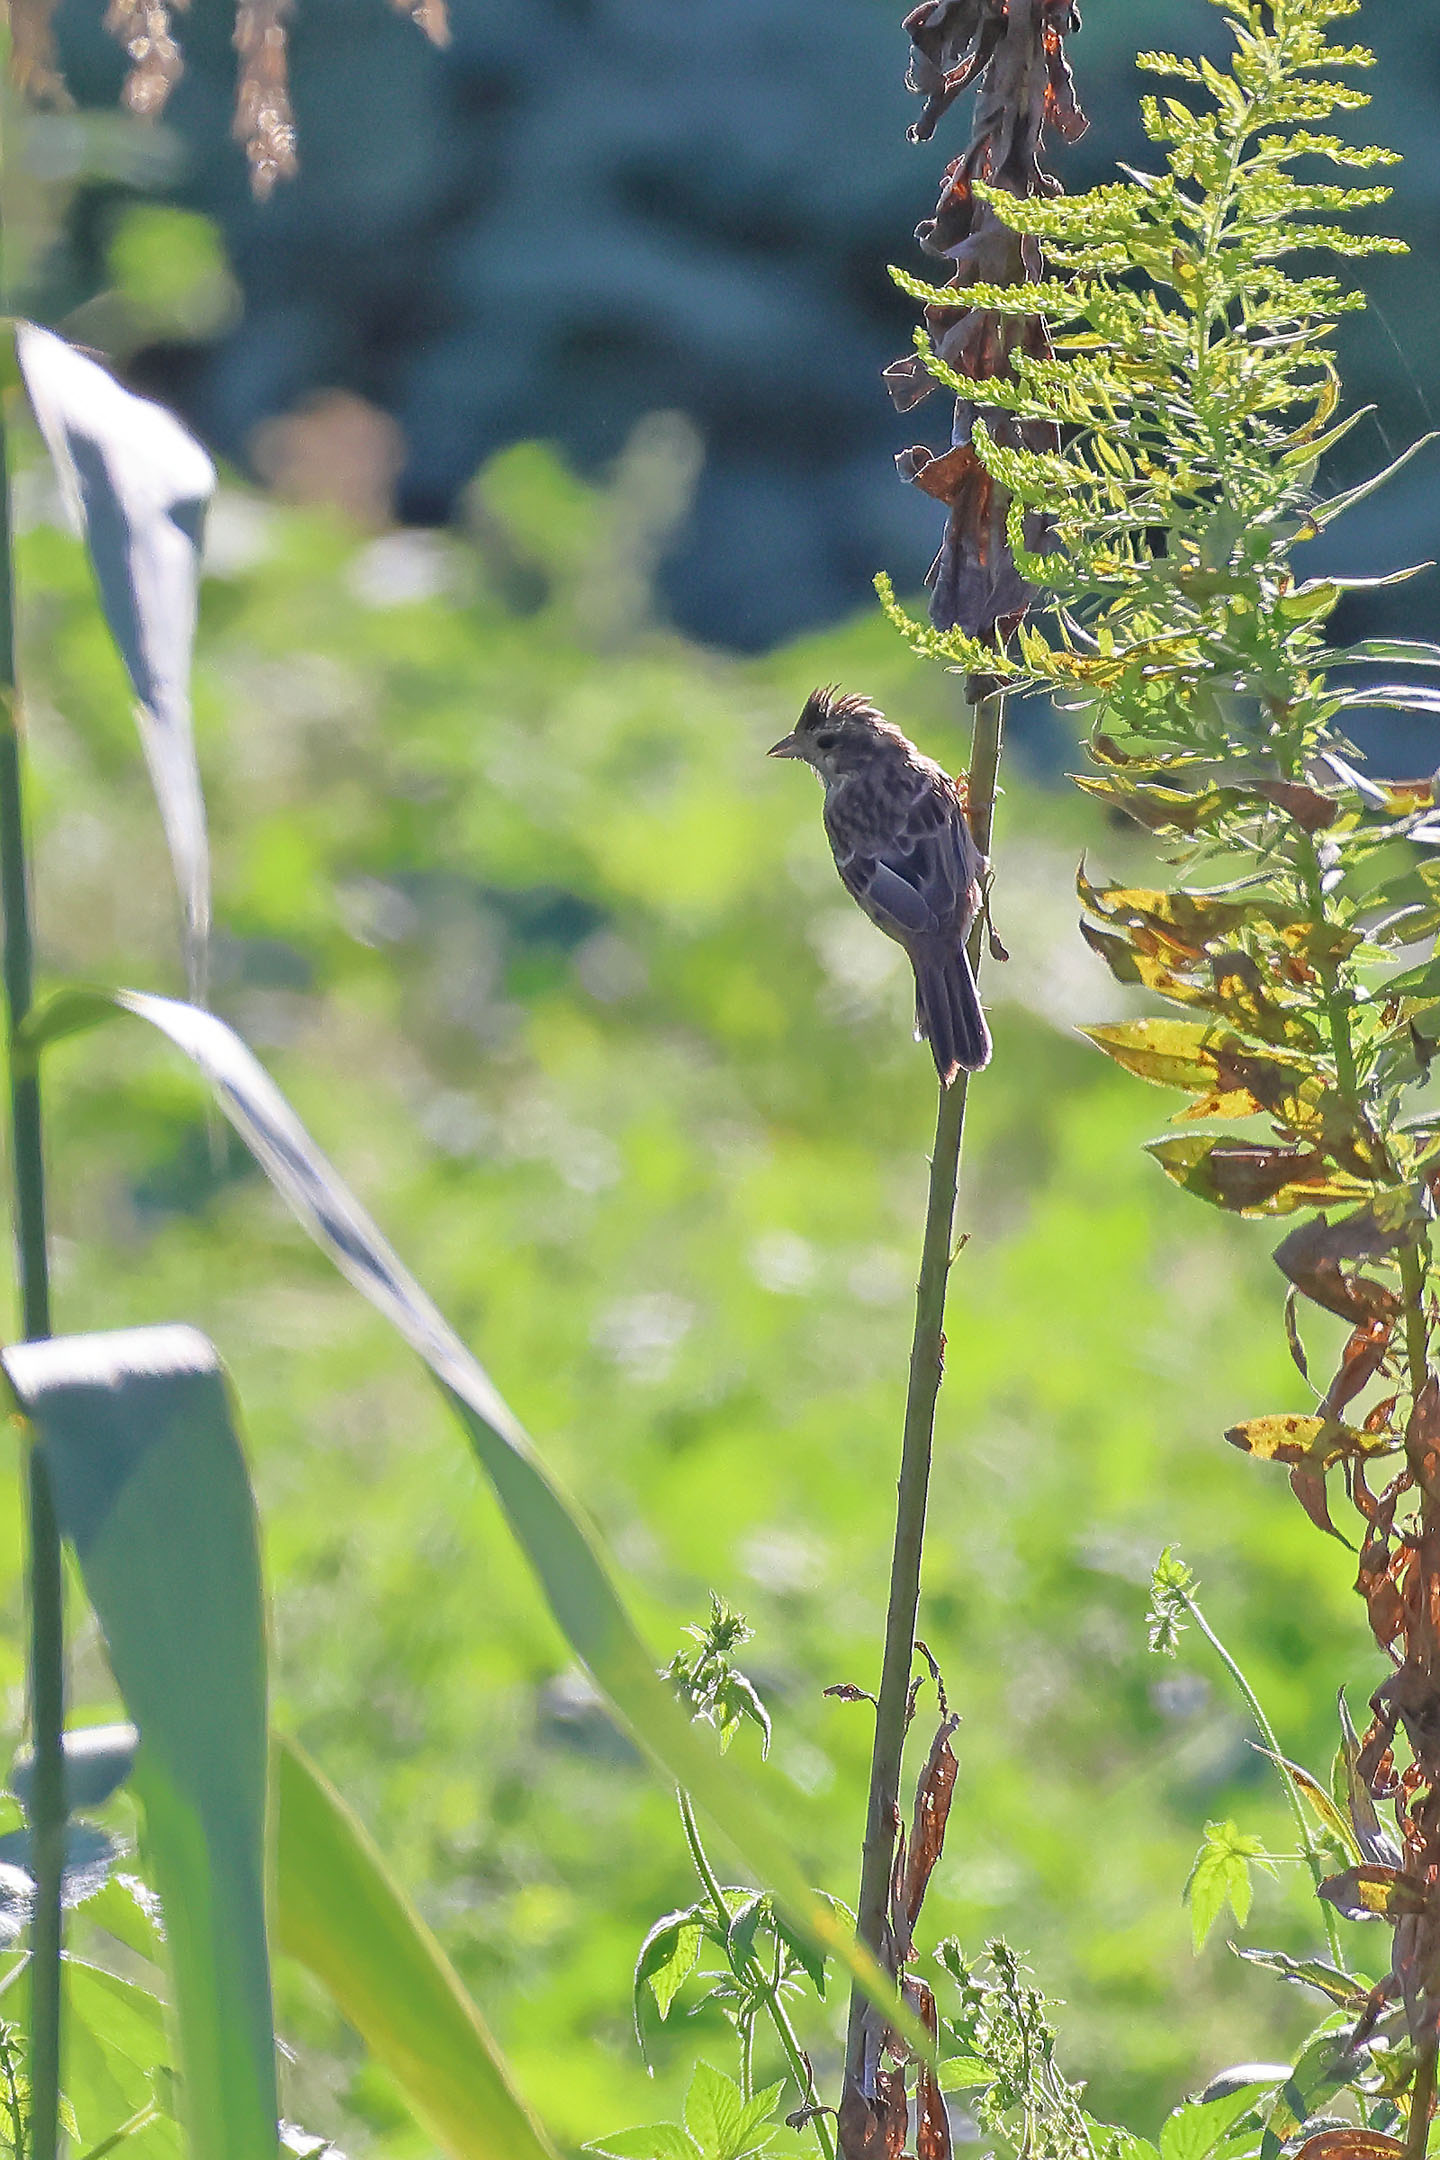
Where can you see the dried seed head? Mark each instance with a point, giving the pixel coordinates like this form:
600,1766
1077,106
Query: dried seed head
32,51
431,16
264,122
143,28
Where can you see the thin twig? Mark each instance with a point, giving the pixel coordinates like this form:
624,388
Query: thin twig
27,1172
1309,1844
926,1365
774,2001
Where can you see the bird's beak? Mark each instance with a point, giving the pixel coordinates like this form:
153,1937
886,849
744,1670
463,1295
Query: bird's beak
786,747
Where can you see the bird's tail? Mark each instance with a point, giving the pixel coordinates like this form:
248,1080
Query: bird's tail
948,1015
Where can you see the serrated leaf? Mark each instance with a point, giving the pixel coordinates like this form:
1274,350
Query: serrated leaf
963,2073
1219,1876
667,1958
651,2141
722,2122
1196,2129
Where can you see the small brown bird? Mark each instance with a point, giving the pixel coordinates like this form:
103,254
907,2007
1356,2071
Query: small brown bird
903,846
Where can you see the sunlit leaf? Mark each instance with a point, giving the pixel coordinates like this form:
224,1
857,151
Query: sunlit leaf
340,1912
152,1492
1172,1053
137,485
559,1546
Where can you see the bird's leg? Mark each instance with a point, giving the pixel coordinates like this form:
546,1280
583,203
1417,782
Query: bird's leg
996,949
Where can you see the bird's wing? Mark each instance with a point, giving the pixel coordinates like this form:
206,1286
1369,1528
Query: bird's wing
918,880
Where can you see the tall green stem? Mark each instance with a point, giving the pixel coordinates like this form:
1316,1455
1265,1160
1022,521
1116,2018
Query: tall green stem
755,1973
927,1354
1309,1845
27,1174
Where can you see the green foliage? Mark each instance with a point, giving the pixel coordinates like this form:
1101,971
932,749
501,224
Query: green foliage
1194,381
1006,2058
1220,1876
151,1491
339,1911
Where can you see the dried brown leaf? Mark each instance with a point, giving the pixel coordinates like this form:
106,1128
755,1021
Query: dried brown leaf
1375,1893
933,1795
1311,1256
1349,2144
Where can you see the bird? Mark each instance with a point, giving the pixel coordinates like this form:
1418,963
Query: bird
901,838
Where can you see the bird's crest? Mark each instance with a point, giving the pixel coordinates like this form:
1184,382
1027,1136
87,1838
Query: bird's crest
832,703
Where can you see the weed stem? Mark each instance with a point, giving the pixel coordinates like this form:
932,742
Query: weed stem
926,1365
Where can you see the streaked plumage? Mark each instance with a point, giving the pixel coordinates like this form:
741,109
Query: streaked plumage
902,843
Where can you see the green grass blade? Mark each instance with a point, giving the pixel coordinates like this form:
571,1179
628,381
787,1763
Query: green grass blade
339,1911
574,1578
138,485
152,1491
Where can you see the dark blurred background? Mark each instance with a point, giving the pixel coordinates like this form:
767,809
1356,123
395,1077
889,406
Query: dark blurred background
585,212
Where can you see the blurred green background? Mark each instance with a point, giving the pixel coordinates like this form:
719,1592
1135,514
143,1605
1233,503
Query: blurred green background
557,969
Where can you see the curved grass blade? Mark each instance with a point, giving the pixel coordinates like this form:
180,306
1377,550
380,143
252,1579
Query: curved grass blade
137,485
339,1911
572,1575
151,1489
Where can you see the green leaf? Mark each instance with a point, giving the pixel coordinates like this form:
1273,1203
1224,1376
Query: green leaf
744,1926
1219,1876
654,2141
137,485
1172,1053
667,1958
962,2073
98,1759
151,1489
339,1911
722,2122
1198,2128
560,1548
1347,1989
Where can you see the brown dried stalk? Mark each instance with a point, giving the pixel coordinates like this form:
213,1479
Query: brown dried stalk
1014,50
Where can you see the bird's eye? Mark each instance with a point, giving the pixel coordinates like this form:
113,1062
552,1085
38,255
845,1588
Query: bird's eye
826,739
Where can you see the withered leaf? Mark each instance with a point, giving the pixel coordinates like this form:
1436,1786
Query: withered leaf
1349,2143
933,1794
873,2128
1287,1438
1161,809
1311,1256
1248,1179
1422,1437
932,2123
1360,1360
1375,1893
1310,811
1172,1053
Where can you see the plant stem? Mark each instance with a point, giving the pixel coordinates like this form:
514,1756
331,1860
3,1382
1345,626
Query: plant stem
1308,1846
774,2001
27,1172
1422,2099
927,1355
